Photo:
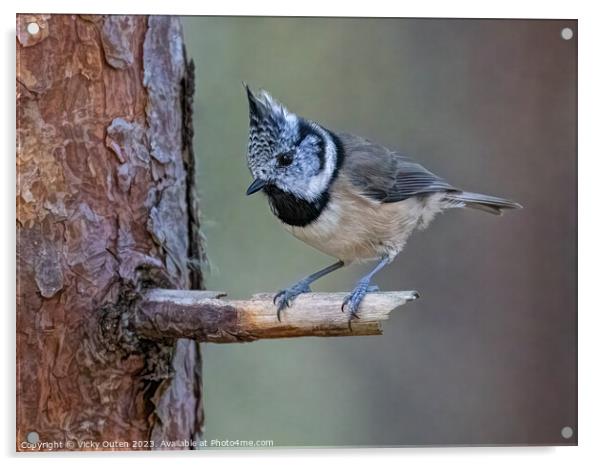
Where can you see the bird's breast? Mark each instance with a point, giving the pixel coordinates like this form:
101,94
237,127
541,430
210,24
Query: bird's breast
353,227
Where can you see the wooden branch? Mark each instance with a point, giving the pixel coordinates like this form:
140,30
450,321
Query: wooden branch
202,316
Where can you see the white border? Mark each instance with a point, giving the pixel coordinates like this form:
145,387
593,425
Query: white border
590,260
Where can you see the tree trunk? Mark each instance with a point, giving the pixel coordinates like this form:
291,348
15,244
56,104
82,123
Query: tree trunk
105,208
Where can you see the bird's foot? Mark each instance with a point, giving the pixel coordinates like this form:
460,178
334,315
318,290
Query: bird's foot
353,301
284,297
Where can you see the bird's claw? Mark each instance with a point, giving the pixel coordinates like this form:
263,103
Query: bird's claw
354,299
283,298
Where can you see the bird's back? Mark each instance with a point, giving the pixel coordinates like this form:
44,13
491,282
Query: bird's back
385,175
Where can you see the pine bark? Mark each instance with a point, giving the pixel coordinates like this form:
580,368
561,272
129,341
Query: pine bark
105,209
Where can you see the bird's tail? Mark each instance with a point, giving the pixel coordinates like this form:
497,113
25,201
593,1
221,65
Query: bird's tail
491,204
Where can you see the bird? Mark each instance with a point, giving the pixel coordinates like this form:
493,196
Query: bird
351,198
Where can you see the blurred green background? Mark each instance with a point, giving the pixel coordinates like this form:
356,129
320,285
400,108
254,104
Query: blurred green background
488,354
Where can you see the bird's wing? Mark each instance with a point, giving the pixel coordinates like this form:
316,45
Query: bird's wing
384,175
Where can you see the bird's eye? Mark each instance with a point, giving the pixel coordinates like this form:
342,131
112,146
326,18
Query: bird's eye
285,159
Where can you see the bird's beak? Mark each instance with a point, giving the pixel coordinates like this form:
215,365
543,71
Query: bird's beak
256,185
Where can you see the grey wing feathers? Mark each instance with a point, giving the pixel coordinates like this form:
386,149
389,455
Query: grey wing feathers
387,176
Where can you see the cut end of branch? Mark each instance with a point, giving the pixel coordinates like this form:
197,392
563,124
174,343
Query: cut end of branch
199,315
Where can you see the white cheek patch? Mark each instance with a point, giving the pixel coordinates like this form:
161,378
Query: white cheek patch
319,183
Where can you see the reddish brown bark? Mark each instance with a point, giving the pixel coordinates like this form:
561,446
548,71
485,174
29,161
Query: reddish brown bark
104,208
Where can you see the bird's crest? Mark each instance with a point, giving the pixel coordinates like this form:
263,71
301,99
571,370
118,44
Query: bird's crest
262,107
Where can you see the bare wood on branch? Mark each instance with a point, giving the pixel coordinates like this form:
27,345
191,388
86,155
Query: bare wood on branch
203,316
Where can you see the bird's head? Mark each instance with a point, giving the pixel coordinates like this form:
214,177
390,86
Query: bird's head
287,152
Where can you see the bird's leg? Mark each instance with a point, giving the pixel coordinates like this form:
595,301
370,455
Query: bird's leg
284,297
353,301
